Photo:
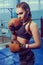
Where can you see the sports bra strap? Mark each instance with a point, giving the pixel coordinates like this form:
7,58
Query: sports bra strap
29,27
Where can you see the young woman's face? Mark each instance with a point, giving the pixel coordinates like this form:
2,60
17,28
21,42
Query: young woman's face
21,13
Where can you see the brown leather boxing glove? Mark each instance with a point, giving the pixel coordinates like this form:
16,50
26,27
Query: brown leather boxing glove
14,46
14,24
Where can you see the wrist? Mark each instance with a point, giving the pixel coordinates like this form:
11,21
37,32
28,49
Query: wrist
23,46
27,45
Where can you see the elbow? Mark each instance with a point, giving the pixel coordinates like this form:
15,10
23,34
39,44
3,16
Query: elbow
39,45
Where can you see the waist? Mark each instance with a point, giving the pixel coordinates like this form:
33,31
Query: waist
22,40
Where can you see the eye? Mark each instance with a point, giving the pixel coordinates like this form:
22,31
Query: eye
21,13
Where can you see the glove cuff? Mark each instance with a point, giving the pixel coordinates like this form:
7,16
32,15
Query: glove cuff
27,45
23,46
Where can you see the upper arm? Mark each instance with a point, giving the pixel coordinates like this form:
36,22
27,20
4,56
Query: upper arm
35,33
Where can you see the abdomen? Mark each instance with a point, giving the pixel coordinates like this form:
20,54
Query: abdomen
22,40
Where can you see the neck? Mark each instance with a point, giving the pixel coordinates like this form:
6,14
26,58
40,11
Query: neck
26,20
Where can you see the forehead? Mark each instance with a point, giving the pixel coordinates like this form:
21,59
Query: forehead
18,10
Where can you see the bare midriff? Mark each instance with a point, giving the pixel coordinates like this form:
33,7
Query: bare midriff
22,40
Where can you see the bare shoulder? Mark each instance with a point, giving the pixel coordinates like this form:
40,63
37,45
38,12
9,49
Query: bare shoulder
33,26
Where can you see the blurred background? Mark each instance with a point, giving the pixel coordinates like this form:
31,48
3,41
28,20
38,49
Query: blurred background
8,11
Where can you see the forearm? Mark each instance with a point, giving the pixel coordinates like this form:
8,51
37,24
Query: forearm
34,46
31,46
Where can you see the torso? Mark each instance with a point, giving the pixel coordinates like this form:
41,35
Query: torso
24,40
25,54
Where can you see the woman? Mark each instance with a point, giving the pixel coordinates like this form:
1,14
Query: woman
27,30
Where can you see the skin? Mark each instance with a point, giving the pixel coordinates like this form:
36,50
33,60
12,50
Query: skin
33,27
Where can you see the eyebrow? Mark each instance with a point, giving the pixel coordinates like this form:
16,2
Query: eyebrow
19,13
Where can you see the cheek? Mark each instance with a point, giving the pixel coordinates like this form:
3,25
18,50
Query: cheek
23,15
